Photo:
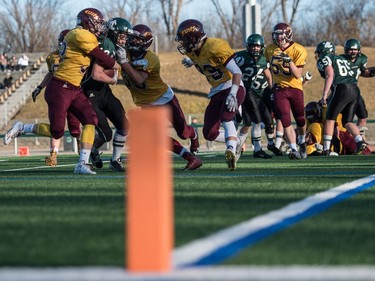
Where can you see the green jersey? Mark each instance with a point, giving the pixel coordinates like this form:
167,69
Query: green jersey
253,72
359,65
343,69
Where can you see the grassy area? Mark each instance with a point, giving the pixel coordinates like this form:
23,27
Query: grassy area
51,217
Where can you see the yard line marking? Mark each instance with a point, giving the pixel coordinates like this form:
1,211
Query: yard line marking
217,273
227,242
37,167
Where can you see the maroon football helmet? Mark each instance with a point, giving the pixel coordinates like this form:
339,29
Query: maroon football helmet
282,33
314,112
92,20
189,34
139,40
62,35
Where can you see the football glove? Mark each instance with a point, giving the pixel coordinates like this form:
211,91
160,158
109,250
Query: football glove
231,102
36,92
187,62
140,62
285,57
121,55
308,76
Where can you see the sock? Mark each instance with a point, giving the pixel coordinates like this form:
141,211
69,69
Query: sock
358,138
84,155
301,139
256,132
327,142
279,138
118,145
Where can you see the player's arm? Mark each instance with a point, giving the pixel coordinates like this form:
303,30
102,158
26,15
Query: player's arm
138,76
103,59
368,72
231,100
268,75
98,73
329,75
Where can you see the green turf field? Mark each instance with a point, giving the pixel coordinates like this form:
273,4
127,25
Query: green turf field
52,217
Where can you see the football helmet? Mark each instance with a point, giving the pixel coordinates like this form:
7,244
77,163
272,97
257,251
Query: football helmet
313,112
62,35
118,30
324,48
282,34
350,45
255,40
139,40
190,34
92,20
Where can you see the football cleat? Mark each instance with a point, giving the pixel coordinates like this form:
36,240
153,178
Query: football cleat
13,132
194,144
230,157
116,165
294,155
361,146
51,160
326,153
193,162
261,154
302,150
96,160
275,150
83,168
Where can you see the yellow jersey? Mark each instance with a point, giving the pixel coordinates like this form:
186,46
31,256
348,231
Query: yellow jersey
281,74
74,52
153,88
212,59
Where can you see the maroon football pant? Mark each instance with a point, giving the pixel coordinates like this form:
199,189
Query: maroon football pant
61,97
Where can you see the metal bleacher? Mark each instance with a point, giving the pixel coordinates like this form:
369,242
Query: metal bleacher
24,82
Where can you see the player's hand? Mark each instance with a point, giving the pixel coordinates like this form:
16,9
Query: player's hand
121,55
231,102
36,92
308,76
285,57
187,62
115,77
322,102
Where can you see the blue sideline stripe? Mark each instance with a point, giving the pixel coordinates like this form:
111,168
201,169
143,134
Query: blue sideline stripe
234,247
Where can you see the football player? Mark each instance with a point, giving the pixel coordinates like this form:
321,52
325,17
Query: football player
341,80
352,48
64,91
287,59
106,105
214,58
258,81
53,60
141,74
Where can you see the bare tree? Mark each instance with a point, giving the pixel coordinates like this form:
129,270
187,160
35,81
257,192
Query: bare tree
231,21
29,26
342,20
171,10
131,10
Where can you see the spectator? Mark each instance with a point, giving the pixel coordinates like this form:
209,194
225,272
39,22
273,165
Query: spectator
3,62
23,62
12,63
8,80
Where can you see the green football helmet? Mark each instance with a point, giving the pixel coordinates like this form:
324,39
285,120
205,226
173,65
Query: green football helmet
324,48
118,28
350,45
255,39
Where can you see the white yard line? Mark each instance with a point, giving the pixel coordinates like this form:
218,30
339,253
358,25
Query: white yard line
232,273
214,248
